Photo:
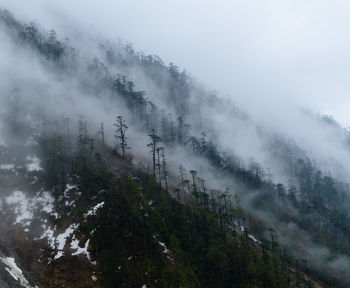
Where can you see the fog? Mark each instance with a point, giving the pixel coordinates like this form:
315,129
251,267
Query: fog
290,51
275,66
271,58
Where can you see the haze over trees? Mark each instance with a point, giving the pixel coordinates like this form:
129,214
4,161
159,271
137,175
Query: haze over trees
186,210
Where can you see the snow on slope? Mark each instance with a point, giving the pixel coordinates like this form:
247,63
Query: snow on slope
25,207
33,163
16,273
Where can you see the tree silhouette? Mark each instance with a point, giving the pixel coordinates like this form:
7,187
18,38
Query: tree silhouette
120,135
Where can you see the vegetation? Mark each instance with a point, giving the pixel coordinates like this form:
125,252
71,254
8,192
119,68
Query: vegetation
207,232
141,235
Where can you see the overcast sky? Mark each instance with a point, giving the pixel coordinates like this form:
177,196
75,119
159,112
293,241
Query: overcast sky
258,52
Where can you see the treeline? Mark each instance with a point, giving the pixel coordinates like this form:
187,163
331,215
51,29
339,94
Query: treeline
205,231
84,158
46,43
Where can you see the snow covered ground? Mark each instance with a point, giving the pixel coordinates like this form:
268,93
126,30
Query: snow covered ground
61,239
7,166
24,207
15,272
84,250
33,163
94,209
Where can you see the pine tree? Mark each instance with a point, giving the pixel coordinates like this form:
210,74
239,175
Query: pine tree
194,186
120,135
203,143
158,164
102,132
155,139
165,171
182,172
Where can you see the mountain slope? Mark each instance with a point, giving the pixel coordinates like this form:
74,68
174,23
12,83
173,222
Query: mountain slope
302,214
102,229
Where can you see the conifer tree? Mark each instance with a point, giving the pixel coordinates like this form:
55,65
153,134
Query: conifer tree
155,139
66,127
158,164
182,172
120,134
203,143
165,171
102,132
194,186
82,136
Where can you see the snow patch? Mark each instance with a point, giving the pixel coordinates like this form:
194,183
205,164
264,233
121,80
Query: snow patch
71,203
84,250
34,164
30,142
24,207
46,200
58,255
10,166
68,195
62,238
15,271
49,235
166,250
68,188
94,209
253,238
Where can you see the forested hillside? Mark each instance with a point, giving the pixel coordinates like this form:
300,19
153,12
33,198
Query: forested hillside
118,170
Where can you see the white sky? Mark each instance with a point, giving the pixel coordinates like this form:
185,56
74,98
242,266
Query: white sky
264,54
